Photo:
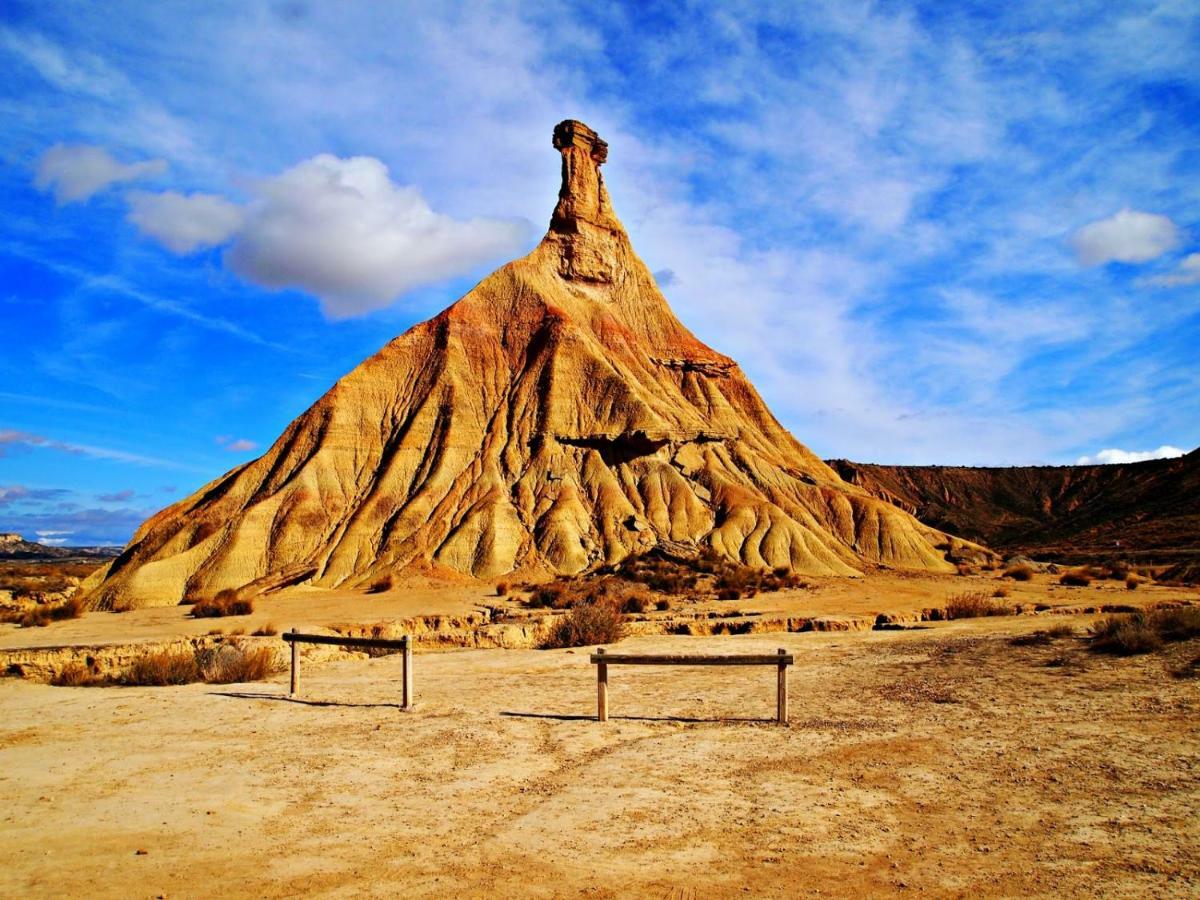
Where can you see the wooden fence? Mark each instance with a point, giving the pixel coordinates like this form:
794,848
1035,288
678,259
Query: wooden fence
603,659
404,645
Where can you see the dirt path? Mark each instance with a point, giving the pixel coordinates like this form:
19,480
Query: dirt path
942,761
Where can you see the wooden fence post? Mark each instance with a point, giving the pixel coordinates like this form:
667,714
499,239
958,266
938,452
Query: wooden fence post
295,666
781,713
601,688
407,697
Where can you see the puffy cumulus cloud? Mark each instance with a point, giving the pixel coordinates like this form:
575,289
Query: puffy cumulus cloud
184,223
1187,272
340,229
1128,236
1107,457
76,172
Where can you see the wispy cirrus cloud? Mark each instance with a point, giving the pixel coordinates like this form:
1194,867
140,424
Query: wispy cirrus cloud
13,439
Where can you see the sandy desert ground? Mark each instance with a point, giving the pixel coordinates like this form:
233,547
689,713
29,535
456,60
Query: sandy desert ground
938,761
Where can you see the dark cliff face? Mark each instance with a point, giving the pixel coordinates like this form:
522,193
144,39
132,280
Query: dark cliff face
1149,510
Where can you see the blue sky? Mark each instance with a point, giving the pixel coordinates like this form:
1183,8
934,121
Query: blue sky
930,233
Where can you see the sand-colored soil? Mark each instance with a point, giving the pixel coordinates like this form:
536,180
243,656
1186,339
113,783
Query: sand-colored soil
940,761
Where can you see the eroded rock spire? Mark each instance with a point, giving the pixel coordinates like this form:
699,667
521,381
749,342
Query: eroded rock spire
584,225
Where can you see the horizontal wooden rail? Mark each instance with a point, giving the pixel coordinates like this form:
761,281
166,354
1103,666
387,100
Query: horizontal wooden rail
381,643
403,644
602,659
636,659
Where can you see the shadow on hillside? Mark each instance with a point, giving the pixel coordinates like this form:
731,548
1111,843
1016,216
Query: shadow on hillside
284,698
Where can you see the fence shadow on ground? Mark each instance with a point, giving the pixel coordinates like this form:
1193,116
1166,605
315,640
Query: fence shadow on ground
574,717
284,698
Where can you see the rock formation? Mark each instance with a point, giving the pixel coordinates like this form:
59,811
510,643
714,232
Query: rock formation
1145,511
556,418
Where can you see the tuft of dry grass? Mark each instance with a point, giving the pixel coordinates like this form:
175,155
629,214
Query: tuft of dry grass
1075,578
44,613
268,630
225,603
1000,593
663,605
636,603
74,674
226,664
159,668
589,623
973,605
229,664
1020,572
1145,631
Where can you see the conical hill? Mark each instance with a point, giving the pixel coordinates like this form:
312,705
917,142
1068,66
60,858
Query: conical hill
556,418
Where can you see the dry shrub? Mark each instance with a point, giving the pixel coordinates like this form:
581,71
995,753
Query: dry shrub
1000,593
1132,582
1021,572
729,593
663,605
268,630
1075,578
973,605
502,589
226,603
230,664
226,664
1146,631
635,604
44,613
74,674
588,623
163,667
568,593
381,585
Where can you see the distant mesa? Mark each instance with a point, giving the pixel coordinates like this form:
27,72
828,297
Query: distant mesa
557,418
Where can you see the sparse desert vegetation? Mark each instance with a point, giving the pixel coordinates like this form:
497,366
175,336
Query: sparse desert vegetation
42,614
596,622
1075,578
974,604
225,603
381,585
1145,631
1020,572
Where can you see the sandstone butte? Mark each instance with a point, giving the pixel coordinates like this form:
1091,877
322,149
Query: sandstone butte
556,418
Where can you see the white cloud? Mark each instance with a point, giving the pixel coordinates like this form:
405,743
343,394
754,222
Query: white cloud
241,445
184,223
341,230
76,172
1128,236
1107,457
1187,272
